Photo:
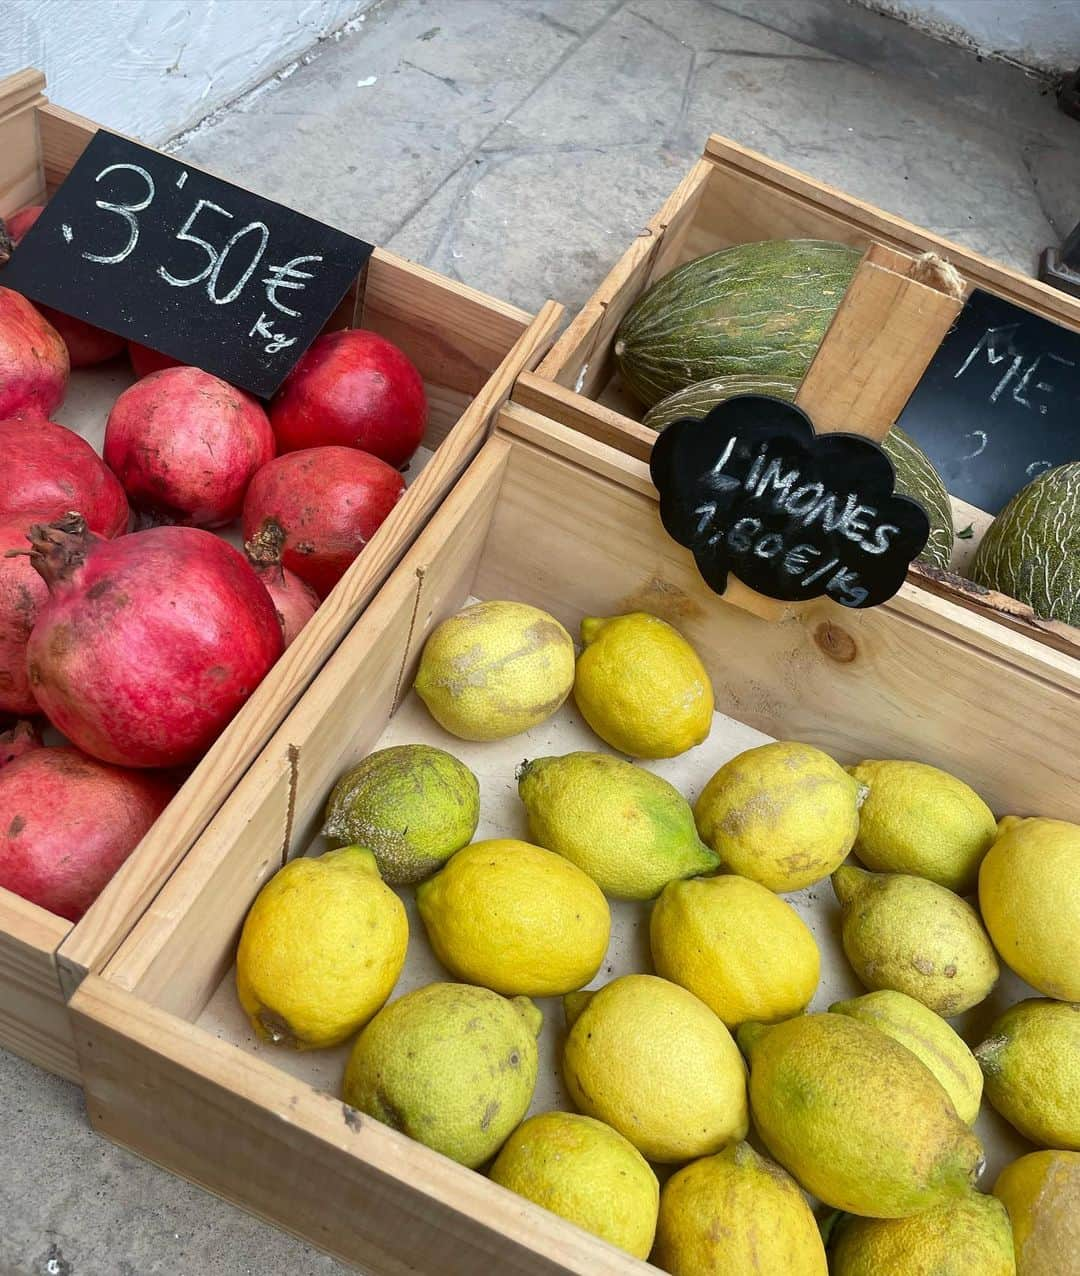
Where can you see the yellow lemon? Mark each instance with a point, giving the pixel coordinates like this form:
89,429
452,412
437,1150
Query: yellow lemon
641,687
449,1065
321,949
928,1037
914,936
1031,1061
630,830
516,918
585,1172
495,669
783,814
1041,1191
738,1214
1029,895
968,1237
654,1062
744,951
918,819
856,1117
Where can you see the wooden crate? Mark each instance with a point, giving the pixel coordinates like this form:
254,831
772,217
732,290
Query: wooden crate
919,677
734,195
469,348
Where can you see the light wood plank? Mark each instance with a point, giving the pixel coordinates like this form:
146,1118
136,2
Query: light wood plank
33,1018
21,176
881,340
64,137
248,1132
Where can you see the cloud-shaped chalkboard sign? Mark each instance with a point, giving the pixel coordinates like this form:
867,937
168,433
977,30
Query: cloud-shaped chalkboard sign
752,489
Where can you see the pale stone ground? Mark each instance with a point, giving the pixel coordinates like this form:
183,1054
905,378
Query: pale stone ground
518,145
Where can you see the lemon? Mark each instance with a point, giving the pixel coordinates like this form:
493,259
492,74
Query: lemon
585,1172
630,830
516,918
1029,895
857,1119
916,937
739,1214
321,949
655,1063
449,1065
744,951
495,669
1031,1061
918,819
968,1237
928,1037
783,814
412,806
641,687
1041,1191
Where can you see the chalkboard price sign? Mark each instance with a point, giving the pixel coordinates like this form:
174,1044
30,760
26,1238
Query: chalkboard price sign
998,404
169,256
753,490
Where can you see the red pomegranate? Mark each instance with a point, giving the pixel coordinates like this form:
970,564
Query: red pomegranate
352,389
22,592
67,823
148,644
49,470
144,360
294,601
185,445
86,344
34,363
329,501
19,223
17,740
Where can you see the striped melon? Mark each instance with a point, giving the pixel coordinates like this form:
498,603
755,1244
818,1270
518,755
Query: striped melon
1031,551
915,474
754,308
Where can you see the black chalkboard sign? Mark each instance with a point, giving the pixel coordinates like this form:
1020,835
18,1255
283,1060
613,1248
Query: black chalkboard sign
753,490
999,403
164,254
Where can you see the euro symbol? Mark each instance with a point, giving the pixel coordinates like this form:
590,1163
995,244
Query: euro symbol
288,276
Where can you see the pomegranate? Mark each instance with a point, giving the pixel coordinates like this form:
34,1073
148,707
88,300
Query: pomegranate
353,389
294,601
49,470
17,740
34,363
185,444
86,344
147,645
19,223
22,591
67,823
329,501
144,360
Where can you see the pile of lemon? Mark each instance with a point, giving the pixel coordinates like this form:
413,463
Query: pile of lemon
868,1107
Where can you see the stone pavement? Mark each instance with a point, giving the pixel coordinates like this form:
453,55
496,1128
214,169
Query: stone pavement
518,145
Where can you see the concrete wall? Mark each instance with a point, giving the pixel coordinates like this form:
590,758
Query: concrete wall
155,67
1044,34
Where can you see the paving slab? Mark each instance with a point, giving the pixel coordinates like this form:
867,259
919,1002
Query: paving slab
519,145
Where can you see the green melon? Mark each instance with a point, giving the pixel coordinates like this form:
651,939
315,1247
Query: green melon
915,474
1031,551
754,308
